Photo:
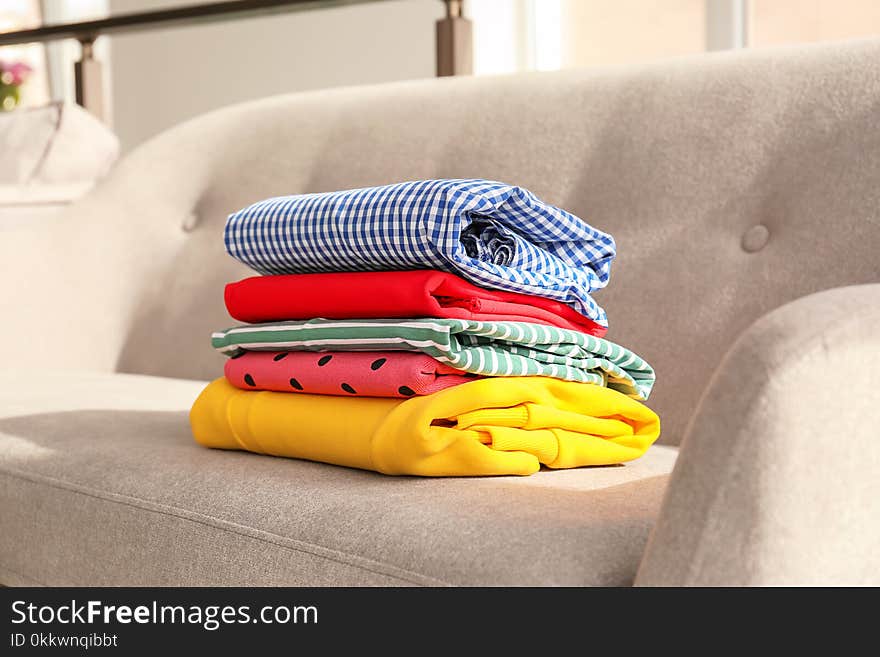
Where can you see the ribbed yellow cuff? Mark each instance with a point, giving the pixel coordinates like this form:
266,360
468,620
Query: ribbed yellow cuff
515,416
541,444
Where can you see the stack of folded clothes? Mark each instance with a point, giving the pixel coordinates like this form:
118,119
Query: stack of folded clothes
440,327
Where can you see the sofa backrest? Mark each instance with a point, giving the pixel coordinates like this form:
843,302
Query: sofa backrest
733,183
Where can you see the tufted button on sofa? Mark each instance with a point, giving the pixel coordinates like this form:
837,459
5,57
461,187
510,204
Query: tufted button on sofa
743,190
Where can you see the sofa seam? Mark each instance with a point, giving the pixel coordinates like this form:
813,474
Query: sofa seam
44,156
314,549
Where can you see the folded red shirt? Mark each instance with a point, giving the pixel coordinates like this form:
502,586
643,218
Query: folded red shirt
392,294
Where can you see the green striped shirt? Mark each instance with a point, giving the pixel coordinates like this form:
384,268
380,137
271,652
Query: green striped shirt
485,348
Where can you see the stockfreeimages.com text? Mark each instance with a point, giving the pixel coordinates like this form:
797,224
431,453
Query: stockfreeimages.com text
211,617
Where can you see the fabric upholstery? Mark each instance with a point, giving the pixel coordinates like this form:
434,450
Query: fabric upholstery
679,160
57,144
778,479
23,207
102,484
51,156
732,183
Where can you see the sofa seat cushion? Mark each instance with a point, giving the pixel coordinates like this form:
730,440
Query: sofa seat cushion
22,206
102,484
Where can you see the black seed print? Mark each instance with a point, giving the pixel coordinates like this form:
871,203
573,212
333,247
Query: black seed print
250,380
296,384
376,364
406,391
349,389
324,360
278,357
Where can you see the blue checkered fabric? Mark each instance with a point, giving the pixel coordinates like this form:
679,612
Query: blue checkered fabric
494,235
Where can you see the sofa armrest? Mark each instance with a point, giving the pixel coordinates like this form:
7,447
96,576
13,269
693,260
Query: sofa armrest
778,480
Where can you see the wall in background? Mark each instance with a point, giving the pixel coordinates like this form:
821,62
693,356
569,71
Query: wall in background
162,78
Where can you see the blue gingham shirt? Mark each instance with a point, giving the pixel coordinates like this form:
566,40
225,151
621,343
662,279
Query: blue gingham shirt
494,235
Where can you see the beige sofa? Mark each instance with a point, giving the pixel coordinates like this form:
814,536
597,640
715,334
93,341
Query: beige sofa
744,193
49,156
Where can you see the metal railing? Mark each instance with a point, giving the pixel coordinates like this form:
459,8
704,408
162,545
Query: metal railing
454,50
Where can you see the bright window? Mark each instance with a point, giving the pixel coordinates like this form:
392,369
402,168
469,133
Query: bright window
522,35
775,22
20,15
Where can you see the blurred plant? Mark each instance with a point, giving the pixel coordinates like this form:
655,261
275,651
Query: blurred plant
12,76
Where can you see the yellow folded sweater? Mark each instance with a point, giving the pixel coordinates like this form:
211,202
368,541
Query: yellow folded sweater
493,426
